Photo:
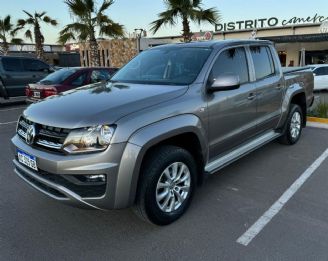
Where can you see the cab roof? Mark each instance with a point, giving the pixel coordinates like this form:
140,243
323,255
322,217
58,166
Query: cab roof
215,44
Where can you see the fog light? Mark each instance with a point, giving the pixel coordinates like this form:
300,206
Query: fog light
96,178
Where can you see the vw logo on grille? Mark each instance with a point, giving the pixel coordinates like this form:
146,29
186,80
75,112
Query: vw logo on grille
30,134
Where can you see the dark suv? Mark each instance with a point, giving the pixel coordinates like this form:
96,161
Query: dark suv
17,72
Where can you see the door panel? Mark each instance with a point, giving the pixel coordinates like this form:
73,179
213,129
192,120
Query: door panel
36,69
270,87
232,118
269,102
14,76
232,114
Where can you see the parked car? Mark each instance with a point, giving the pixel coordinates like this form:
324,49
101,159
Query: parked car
17,72
320,72
66,79
172,115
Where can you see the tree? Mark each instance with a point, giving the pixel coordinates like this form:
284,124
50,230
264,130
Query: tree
186,10
7,34
89,19
33,22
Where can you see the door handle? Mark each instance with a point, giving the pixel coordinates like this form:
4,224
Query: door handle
251,96
279,87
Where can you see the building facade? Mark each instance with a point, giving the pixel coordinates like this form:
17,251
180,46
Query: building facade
299,41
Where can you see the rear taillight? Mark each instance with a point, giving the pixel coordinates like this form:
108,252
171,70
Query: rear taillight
28,91
49,92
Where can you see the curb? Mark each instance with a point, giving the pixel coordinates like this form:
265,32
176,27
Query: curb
317,122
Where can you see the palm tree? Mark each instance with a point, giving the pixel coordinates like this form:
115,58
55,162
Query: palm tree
32,22
186,10
89,19
7,34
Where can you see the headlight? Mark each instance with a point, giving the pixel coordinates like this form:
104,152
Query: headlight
88,139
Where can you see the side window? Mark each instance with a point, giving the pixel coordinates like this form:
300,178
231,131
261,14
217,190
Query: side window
99,75
78,81
321,71
12,64
34,65
263,62
232,61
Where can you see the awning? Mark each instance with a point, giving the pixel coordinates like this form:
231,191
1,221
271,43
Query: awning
321,37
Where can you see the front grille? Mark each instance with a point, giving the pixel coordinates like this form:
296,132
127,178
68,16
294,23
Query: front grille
46,137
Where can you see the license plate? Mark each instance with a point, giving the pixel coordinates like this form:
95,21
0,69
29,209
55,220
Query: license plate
27,160
36,94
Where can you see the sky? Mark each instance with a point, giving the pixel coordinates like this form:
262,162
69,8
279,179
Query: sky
140,13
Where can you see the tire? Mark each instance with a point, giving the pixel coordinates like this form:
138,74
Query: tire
293,128
157,199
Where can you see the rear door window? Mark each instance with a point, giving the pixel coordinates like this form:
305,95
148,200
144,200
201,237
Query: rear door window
79,80
321,71
35,65
11,64
99,75
263,63
231,61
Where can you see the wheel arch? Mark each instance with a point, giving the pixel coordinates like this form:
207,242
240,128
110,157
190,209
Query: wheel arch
186,131
295,94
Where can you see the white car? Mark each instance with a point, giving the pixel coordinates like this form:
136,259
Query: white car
320,72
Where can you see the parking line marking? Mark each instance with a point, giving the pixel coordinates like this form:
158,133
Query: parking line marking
256,228
12,109
6,123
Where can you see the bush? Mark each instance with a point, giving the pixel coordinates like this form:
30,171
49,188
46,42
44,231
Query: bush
320,110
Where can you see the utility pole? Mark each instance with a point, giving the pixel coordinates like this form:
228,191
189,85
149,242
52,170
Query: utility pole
139,33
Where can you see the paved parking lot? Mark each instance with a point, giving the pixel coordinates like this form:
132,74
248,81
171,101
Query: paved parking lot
34,227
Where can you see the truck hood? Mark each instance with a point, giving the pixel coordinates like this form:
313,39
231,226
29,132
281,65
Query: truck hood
102,103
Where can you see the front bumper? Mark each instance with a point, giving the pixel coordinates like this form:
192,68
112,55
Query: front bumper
56,166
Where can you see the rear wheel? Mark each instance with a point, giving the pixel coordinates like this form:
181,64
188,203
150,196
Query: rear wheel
166,186
293,127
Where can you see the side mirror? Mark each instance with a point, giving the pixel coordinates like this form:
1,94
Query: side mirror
225,83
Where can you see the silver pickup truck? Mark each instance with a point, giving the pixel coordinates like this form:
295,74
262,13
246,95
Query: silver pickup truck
146,138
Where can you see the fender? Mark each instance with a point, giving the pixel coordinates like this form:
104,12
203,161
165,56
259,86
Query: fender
141,141
291,91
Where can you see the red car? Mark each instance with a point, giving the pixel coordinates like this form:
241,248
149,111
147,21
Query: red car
66,79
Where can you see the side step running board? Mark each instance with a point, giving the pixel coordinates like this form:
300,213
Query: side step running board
232,156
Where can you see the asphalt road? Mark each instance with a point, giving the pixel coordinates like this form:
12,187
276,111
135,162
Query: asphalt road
33,227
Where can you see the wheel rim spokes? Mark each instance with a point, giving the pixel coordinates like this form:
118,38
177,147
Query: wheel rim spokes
295,125
173,187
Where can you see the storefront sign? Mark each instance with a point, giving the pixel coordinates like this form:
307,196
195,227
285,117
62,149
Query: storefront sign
269,22
324,27
202,36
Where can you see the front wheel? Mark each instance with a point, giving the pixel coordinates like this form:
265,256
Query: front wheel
293,130
166,186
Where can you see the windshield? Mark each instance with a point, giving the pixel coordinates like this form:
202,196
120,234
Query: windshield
58,76
171,66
